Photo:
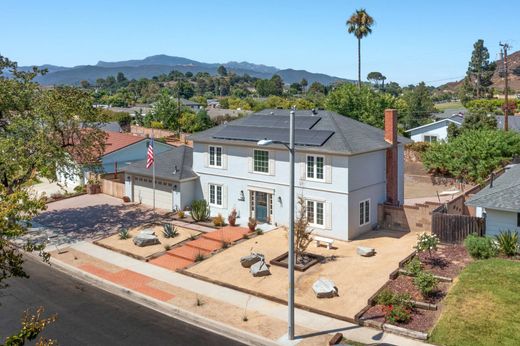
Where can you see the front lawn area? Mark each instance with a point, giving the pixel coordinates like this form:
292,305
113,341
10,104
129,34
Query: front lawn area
448,105
483,306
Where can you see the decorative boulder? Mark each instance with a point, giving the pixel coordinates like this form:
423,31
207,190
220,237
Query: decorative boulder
260,268
249,260
148,231
324,288
143,239
366,251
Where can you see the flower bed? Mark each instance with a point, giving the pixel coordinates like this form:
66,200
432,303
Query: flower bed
445,261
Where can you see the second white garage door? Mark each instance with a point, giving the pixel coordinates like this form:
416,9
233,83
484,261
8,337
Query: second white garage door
143,192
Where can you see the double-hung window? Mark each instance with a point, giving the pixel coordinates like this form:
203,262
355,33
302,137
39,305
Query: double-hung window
430,138
215,195
215,156
315,167
260,161
315,213
364,212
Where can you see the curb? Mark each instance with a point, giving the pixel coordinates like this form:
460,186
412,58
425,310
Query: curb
166,309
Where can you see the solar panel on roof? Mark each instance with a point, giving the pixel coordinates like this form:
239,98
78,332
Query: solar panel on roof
280,121
256,133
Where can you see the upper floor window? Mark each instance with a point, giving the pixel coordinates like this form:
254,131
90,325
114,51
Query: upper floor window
315,167
261,161
430,139
364,212
315,213
215,156
215,195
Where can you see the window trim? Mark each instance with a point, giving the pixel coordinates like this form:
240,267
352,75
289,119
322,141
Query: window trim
364,209
315,168
430,136
216,186
268,159
215,155
315,212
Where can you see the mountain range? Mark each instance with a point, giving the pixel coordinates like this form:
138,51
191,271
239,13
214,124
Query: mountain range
163,64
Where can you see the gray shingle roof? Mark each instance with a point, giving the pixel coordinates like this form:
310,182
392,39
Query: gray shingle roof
350,136
166,164
504,195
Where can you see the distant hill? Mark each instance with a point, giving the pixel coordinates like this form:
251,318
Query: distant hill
498,82
162,64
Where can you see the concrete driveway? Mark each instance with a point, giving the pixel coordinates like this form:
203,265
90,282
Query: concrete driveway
86,217
48,188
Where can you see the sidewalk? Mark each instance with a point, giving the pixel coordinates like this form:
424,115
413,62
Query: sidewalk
221,305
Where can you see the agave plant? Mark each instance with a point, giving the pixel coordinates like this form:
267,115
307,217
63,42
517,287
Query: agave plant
200,210
124,234
170,231
508,242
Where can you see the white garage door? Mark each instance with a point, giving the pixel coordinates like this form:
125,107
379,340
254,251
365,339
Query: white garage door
143,192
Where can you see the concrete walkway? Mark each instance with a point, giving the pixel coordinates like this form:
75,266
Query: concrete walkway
311,321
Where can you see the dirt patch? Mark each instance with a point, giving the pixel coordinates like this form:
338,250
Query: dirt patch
421,321
447,261
404,284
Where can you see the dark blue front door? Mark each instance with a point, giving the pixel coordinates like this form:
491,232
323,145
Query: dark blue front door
261,206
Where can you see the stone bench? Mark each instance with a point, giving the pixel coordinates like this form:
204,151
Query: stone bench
327,241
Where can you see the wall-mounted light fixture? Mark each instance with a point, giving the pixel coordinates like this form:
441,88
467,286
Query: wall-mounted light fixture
241,197
280,200
175,187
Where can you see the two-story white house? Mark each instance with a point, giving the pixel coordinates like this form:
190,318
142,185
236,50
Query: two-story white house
344,169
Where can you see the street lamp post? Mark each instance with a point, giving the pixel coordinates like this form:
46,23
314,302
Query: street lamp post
290,301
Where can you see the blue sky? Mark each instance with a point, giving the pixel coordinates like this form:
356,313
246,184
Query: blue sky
411,41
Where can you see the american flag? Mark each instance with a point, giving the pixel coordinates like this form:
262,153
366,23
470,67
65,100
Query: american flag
149,155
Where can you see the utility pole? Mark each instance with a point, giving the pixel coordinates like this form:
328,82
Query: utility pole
505,47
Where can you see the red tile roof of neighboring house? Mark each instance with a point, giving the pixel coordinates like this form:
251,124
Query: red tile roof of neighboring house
116,141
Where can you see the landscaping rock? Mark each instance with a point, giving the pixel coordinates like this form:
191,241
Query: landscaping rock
366,251
324,288
260,269
249,260
148,231
143,239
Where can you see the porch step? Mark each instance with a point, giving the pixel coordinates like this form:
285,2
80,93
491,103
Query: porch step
171,262
228,234
204,244
187,252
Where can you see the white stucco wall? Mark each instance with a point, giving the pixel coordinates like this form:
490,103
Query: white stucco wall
439,129
498,220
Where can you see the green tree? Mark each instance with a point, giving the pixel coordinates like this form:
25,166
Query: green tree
222,71
317,88
360,25
375,77
165,111
84,84
480,70
419,106
277,85
120,78
304,84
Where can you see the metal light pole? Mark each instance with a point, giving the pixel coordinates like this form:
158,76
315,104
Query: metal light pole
290,259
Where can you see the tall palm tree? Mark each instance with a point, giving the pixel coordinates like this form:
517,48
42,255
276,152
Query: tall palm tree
360,24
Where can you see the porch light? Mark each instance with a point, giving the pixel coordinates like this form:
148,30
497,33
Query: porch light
241,196
280,200
264,142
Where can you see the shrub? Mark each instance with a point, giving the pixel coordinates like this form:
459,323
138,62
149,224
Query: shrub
252,224
232,218
80,189
387,297
480,247
219,220
427,242
200,257
124,234
414,267
425,282
200,210
170,231
259,231
167,247
508,242
397,314
181,214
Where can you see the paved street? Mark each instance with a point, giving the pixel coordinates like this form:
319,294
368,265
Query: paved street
90,316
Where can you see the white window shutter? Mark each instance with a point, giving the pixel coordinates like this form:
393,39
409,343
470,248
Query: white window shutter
224,158
206,158
224,196
272,162
206,193
250,161
328,169
303,166
328,215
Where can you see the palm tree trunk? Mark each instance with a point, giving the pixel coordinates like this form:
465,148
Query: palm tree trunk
359,61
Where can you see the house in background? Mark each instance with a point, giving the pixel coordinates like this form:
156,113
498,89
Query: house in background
513,122
436,131
175,181
499,202
343,168
190,104
121,149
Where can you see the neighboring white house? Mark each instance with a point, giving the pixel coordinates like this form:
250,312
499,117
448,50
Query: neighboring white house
500,202
175,182
344,169
121,149
436,131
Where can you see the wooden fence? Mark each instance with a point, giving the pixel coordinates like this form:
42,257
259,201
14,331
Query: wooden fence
111,186
453,229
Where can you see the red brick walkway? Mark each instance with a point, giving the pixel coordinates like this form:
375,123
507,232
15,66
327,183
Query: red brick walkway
185,255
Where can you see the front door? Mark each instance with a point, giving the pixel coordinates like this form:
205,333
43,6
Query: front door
261,206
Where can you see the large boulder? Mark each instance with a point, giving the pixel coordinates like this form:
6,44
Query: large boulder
366,251
143,239
260,268
147,231
249,260
324,288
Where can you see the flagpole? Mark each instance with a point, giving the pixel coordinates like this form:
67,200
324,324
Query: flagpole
153,173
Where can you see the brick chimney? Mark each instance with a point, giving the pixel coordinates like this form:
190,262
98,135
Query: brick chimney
391,157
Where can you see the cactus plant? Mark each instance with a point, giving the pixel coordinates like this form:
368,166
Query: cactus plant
170,231
124,234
